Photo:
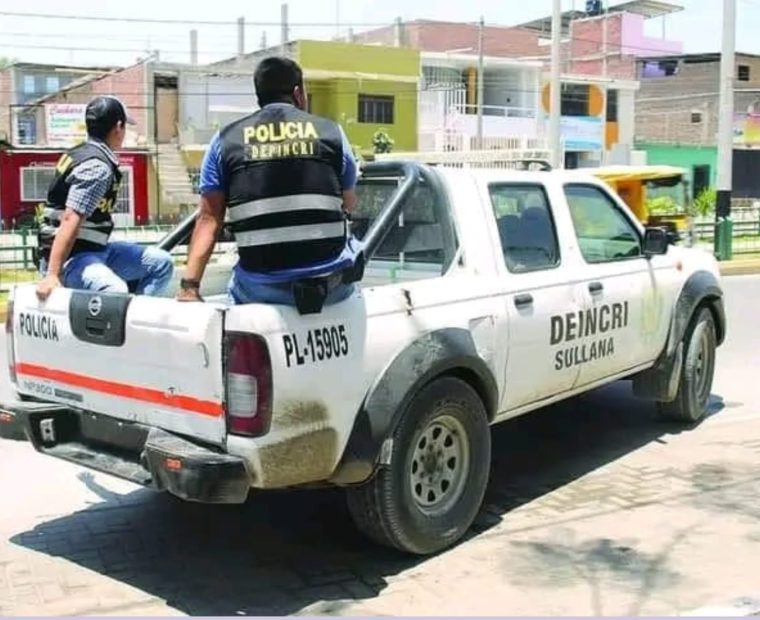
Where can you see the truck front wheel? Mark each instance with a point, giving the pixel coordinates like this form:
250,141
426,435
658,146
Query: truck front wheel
697,372
431,492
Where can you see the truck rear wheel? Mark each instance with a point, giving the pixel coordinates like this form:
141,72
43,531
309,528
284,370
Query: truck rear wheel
430,494
695,384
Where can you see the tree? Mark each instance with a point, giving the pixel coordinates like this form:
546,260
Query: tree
6,61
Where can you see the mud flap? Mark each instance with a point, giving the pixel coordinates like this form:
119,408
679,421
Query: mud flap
660,383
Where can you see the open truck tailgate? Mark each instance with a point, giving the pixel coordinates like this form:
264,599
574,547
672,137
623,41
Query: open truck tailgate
154,361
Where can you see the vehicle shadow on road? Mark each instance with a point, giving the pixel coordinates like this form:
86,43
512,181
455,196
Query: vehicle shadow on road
543,451
282,552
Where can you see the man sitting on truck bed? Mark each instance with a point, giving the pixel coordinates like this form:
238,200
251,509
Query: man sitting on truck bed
76,225
287,178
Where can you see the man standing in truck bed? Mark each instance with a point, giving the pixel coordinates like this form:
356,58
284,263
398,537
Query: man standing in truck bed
286,177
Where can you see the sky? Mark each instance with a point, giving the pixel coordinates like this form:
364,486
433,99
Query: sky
86,42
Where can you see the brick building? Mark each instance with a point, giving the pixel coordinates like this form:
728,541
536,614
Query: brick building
678,110
440,36
29,120
22,83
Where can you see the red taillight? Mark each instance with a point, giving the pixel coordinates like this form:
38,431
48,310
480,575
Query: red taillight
9,341
249,385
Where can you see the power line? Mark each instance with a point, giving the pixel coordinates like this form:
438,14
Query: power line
202,22
94,35
614,46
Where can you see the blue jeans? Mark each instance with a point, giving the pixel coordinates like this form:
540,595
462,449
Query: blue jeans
242,291
109,270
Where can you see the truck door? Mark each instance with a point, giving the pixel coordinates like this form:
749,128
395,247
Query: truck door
627,295
538,286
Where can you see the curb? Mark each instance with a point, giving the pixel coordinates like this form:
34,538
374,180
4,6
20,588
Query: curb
743,606
739,267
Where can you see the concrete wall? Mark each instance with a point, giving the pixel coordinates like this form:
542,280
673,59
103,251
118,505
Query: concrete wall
202,98
6,99
636,43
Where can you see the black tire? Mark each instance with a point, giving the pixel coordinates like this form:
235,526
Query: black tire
388,508
695,384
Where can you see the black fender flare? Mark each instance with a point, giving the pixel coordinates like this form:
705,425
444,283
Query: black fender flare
448,351
660,382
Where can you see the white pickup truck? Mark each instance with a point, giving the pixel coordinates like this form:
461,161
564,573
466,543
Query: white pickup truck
485,295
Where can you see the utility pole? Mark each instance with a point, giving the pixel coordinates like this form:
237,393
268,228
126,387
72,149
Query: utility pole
284,27
240,39
194,47
555,111
481,88
604,38
723,223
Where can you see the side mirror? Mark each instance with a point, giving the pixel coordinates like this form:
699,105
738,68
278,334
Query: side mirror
656,241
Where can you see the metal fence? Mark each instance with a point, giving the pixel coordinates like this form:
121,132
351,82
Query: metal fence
17,249
17,246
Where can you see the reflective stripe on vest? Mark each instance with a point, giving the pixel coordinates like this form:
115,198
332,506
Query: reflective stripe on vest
284,204
98,235
289,234
93,236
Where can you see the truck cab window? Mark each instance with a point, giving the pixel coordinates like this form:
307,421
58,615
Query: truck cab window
422,241
526,228
604,232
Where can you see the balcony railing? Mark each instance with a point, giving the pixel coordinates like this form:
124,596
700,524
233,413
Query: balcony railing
497,110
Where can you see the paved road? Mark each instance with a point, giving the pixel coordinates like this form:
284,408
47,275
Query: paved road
594,507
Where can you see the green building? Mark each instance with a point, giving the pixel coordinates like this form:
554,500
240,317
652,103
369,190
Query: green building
700,162
364,87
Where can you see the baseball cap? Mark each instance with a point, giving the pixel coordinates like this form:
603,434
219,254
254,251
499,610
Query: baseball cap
105,111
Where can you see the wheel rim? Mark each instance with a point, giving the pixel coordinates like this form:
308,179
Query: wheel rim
703,368
439,466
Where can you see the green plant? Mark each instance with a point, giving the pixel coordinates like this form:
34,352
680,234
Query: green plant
382,142
662,205
704,203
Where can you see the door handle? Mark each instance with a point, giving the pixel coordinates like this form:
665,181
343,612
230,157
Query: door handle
524,300
595,287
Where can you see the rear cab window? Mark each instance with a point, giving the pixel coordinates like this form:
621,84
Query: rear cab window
421,244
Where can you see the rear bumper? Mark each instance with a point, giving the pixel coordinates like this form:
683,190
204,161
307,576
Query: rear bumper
144,455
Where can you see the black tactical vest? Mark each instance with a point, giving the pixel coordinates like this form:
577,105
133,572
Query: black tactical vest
281,169
95,231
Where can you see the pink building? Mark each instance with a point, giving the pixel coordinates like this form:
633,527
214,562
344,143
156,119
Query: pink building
608,44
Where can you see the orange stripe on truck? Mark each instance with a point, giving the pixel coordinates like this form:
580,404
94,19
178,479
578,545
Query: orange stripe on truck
187,403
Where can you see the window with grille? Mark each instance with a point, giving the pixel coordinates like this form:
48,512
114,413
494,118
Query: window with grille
377,109
124,197
612,106
35,181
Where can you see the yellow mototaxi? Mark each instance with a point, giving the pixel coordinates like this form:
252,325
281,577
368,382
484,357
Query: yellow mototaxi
657,195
